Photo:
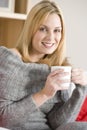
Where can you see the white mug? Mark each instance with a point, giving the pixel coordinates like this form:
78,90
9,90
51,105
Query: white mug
66,69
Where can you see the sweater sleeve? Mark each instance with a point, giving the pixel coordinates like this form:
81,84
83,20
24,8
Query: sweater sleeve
16,102
16,111
18,81
68,111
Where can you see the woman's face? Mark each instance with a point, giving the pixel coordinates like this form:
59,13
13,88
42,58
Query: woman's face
47,37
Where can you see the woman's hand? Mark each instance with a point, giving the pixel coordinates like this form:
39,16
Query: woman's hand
54,83
79,76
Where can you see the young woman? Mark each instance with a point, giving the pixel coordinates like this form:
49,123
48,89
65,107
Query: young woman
31,96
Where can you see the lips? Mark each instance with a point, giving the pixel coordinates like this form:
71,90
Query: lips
47,45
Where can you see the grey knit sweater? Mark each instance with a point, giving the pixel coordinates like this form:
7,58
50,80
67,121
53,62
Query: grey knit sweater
18,111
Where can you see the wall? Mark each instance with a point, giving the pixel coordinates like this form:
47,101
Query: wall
75,15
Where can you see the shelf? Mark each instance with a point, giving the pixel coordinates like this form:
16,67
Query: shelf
13,16
11,23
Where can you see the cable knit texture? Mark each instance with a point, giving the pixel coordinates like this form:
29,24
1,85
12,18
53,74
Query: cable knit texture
18,111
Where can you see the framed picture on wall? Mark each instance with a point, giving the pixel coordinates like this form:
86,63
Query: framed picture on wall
7,5
31,3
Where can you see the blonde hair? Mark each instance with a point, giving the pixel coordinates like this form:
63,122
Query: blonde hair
35,17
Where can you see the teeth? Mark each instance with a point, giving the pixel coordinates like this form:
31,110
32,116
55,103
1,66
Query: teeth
47,44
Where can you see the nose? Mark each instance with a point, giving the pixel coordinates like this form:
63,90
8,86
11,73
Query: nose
50,36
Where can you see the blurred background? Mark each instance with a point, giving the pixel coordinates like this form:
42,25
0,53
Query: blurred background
13,16
75,15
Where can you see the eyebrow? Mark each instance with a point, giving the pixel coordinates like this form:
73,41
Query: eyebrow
48,27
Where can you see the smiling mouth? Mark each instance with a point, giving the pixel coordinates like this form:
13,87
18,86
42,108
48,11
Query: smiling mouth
47,45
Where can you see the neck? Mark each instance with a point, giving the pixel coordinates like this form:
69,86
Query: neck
35,58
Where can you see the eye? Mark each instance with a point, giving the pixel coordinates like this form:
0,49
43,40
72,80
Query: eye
57,30
43,29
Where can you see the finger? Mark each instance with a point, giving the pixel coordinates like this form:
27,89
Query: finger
56,72
63,74
77,80
60,76
76,71
63,81
76,77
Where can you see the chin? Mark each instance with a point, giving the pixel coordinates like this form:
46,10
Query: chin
50,52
